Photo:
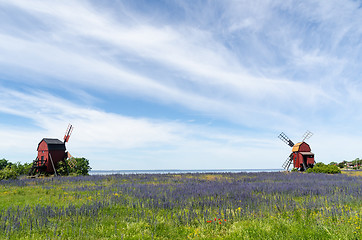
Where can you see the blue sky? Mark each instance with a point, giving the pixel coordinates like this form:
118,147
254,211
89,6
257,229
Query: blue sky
181,84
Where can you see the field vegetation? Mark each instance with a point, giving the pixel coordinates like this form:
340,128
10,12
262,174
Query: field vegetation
9,170
183,206
352,173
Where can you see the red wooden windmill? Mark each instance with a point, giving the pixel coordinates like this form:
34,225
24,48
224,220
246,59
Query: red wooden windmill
51,151
301,156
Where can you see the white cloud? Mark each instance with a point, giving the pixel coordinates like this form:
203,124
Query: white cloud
116,141
213,76
266,65
97,127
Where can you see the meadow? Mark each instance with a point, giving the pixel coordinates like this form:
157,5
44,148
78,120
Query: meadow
264,205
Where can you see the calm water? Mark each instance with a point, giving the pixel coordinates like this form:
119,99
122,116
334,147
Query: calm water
107,172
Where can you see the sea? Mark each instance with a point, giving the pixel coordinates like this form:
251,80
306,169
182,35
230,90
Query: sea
177,171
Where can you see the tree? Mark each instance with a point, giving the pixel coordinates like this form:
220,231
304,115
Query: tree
342,164
357,163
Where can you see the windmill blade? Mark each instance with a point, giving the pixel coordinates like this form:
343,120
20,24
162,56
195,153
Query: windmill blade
285,139
68,132
71,160
307,135
287,163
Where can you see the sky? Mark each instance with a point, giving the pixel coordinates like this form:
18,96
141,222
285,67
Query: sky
180,84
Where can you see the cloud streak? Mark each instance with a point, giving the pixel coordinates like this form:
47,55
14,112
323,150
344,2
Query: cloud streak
97,132
206,67
266,66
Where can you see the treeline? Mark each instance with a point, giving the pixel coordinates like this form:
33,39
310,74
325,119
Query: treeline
9,170
354,164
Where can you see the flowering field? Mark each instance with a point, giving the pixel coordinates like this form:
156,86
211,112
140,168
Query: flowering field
183,206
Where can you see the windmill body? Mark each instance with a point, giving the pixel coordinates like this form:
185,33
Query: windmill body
51,151
301,157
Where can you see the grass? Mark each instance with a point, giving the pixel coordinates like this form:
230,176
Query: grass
356,173
183,206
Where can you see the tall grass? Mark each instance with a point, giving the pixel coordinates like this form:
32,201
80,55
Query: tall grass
183,206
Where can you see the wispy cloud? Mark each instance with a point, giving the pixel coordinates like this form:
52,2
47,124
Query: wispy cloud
261,65
206,65
99,134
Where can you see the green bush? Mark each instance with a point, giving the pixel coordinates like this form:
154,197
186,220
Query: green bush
4,163
22,169
63,168
81,167
322,168
9,172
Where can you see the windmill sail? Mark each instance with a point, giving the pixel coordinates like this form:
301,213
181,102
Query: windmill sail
71,160
285,139
307,135
68,132
287,162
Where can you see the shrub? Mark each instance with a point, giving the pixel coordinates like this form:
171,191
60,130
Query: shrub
4,163
10,170
63,168
21,169
81,167
322,168
8,173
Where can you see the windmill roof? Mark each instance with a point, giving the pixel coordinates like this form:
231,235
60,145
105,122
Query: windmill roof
296,147
52,141
301,147
53,144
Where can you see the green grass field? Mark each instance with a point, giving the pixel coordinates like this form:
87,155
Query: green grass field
183,206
